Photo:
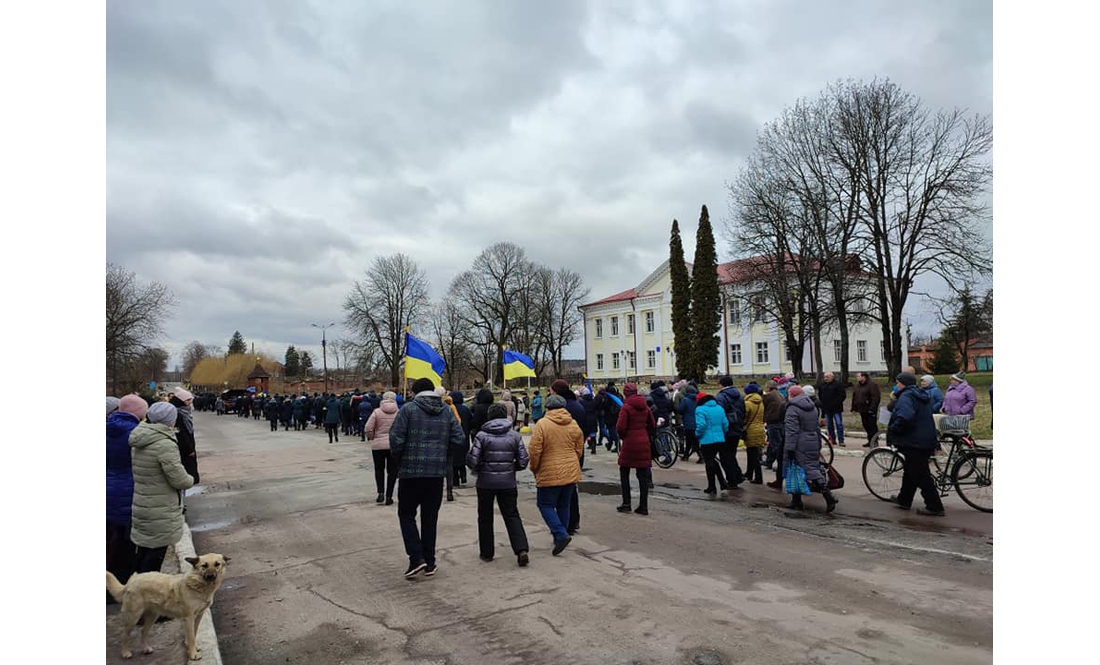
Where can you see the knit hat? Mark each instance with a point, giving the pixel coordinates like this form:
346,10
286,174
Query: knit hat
795,391
788,376
752,388
769,384
699,397
559,386
555,402
726,381
808,390
134,405
422,385
959,376
630,389
782,381
906,379
929,379
389,395
183,394
112,405
162,413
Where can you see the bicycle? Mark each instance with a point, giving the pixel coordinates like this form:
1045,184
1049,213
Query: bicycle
968,468
668,445
826,449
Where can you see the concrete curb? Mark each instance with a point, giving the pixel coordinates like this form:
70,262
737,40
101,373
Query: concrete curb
206,638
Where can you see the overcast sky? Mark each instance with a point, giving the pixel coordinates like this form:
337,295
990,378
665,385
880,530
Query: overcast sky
261,154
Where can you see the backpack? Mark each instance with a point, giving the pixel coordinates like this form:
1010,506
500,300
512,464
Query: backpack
733,415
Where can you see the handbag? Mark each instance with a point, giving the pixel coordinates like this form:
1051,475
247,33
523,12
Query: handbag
834,480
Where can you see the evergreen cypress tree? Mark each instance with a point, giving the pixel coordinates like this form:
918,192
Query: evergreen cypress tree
706,305
945,360
236,343
681,305
293,362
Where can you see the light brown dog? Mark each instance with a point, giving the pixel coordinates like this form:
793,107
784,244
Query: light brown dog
151,595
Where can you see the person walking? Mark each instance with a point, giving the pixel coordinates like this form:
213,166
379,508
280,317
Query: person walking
509,405
159,476
298,413
832,394
332,418
636,426
935,395
120,485
686,409
729,398
802,446
555,452
271,412
608,404
960,398
573,406
866,398
366,408
286,412
377,431
775,410
912,431
711,427
480,410
755,434
498,452
423,432
591,427
466,419
537,410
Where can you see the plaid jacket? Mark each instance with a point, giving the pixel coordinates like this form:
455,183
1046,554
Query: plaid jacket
420,436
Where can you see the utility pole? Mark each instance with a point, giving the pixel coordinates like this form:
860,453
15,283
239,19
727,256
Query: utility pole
324,353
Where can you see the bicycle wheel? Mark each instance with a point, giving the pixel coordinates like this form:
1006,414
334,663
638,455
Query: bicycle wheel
973,479
826,450
666,450
882,472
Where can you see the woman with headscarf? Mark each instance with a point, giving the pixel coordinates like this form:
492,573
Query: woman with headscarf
803,446
159,477
120,485
182,400
509,405
928,384
555,451
378,433
636,426
755,433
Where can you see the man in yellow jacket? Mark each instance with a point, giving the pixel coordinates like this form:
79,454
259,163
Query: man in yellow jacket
555,451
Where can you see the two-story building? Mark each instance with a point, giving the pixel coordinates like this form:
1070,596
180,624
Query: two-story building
628,335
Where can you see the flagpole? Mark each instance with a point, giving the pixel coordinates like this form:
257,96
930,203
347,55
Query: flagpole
405,368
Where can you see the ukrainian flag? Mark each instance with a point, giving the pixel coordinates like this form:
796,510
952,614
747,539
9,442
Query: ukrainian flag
517,365
422,362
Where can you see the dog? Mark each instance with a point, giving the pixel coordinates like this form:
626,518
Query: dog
151,595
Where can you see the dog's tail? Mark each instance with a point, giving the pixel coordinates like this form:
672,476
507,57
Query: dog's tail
116,588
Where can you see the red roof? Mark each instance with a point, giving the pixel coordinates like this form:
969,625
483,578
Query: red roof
625,295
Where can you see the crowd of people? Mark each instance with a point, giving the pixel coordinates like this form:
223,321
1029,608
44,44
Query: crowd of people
422,447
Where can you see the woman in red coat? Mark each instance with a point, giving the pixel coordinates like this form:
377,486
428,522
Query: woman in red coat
635,426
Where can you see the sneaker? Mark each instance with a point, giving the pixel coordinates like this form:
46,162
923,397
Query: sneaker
625,508
641,511
522,559
930,513
560,545
414,569
430,570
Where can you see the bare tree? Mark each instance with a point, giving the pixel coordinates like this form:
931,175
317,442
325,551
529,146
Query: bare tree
393,296
136,314
566,293
193,354
448,340
966,317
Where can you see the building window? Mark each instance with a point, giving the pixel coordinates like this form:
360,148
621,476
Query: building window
599,361
649,322
735,311
651,359
861,350
761,352
759,313
882,350
787,353
735,354
631,359
614,326
615,361
837,348
599,328
629,324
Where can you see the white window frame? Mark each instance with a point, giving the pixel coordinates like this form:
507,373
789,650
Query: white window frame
838,348
629,324
615,360
599,328
599,361
614,326
734,311
759,311
761,353
882,350
650,320
735,354
632,360
861,350
651,359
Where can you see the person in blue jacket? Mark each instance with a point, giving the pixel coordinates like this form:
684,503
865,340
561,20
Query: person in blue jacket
928,385
912,431
120,486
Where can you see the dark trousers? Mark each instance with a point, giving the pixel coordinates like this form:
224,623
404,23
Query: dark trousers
274,424
753,472
918,476
643,476
120,552
331,429
506,499
425,494
727,456
691,444
149,560
870,424
382,461
777,435
714,471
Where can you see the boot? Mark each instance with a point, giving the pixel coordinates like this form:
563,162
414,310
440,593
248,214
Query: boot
830,500
796,502
450,496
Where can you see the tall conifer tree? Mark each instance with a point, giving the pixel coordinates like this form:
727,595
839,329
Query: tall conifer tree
706,305
681,305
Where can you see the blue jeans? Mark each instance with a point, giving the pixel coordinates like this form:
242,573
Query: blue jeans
553,503
835,421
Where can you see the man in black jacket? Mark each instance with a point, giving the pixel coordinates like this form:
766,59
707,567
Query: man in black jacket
832,394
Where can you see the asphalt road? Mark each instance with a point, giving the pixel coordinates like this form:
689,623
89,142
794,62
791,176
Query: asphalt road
316,570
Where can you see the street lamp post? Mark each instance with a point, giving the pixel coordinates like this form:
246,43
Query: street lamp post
324,354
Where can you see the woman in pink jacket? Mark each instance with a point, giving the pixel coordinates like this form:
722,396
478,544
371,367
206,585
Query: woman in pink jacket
378,432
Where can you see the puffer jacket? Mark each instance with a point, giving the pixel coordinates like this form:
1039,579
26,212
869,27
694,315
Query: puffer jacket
803,436
498,452
711,423
960,400
636,425
423,432
591,424
379,423
911,424
686,407
120,476
754,421
555,450
157,511
332,411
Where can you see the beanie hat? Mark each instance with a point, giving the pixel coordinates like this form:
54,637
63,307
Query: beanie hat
440,390
555,402
782,381
390,395
655,385
907,379
496,411
959,376
630,389
559,386
929,378
700,396
726,381
422,385
162,413
808,390
112,405
183,394
134,405
789,375
769,384
795,391
752,388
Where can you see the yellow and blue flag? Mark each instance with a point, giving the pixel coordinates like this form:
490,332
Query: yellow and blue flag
516,365
422,362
